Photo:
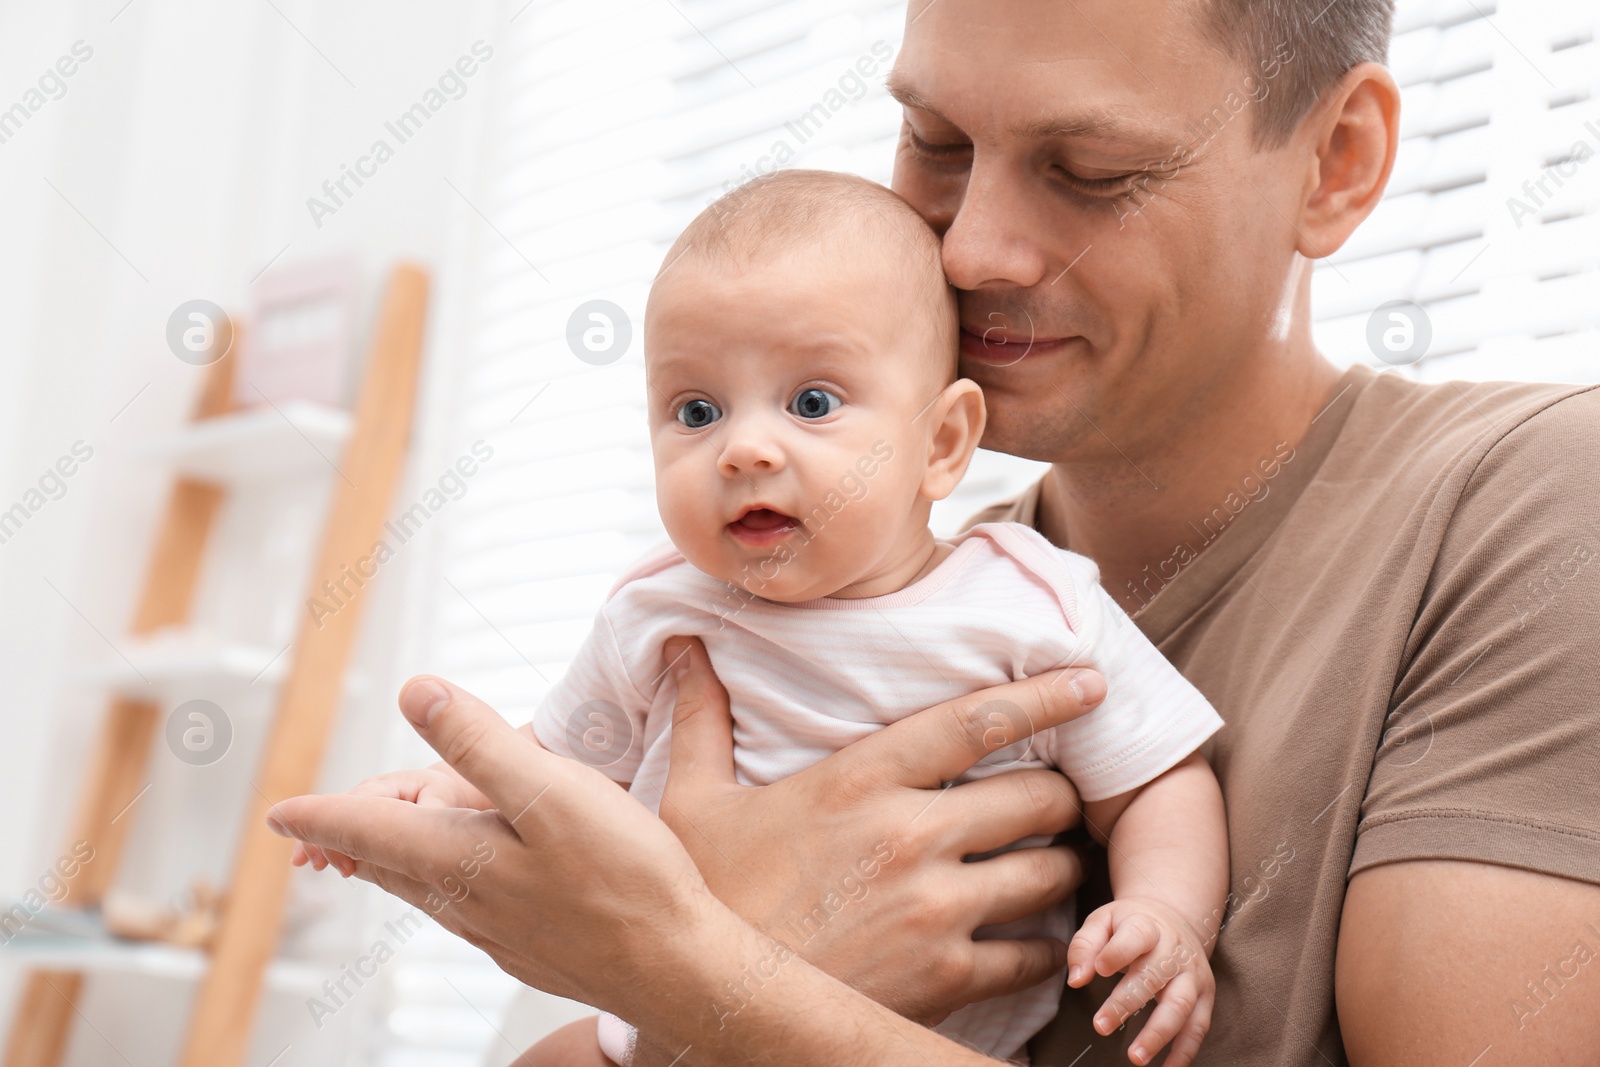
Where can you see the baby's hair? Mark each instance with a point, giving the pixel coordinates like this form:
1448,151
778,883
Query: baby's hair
770,214
790,204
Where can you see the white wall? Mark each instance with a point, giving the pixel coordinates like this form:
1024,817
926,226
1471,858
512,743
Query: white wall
189,141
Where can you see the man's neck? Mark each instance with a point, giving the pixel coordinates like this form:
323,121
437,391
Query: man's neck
1142,534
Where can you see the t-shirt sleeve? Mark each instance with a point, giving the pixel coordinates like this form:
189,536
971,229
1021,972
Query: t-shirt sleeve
595,713
1493,734
1152,717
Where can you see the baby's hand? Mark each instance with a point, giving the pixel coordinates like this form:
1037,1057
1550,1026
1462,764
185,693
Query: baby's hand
1165,957
438,786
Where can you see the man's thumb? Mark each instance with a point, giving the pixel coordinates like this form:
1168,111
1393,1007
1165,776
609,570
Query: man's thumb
702,725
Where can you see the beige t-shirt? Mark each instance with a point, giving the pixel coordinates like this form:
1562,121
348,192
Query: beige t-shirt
1399,620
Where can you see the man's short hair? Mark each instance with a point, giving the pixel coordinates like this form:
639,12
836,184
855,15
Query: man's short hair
1325,38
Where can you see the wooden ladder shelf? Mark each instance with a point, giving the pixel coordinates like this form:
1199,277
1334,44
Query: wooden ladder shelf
246,938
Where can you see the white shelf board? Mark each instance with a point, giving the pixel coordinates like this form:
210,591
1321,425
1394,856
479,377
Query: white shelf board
169,664
261,443
110,956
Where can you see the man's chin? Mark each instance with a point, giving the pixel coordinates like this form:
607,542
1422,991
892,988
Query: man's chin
1040,424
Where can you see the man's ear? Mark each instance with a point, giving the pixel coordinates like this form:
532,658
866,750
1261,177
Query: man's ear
956,422
1356,131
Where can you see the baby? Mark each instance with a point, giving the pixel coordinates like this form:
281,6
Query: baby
805,412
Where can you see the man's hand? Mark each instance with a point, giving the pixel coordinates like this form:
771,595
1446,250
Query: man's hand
1165,957
437,786
857,861
572,886
568,884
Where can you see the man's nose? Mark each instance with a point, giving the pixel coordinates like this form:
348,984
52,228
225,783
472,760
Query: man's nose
994,239
750,445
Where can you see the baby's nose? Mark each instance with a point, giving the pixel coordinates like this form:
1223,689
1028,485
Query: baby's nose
749,447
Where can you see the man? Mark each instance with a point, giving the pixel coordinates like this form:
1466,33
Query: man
1385,589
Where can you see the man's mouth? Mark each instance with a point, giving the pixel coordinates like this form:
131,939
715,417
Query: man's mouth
1002,348
759,526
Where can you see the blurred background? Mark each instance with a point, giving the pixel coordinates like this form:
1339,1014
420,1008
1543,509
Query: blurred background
193,186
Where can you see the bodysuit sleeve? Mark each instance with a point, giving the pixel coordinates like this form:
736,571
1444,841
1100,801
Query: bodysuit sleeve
594,713
1152,717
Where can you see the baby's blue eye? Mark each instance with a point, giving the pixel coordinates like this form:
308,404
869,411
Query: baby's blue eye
814,403
698,414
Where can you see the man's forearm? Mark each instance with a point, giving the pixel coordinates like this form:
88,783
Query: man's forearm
729,995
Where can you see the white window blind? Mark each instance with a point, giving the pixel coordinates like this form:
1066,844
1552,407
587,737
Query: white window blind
1499,100
615,121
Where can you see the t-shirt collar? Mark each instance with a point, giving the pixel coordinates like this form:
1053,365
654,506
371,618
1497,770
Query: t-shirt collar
1196,583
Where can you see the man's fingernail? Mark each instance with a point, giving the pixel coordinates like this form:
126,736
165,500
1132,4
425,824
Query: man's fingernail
1088,687
1075,974
276,827
420,699
680,661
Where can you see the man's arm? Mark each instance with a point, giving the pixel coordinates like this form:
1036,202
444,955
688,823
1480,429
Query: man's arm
1445,964
1471,926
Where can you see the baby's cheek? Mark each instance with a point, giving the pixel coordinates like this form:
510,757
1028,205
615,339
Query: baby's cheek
687,512
691,528
857,527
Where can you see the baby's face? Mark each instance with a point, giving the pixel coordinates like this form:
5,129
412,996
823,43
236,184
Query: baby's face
785,416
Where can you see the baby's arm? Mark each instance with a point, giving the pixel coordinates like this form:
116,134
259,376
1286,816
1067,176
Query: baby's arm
574,1045
1167,843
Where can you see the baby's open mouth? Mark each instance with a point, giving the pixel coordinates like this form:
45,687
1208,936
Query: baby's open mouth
762,526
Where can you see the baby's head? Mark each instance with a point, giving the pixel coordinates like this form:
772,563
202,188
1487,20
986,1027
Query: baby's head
800,348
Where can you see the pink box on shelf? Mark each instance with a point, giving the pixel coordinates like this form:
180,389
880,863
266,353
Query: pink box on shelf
301,335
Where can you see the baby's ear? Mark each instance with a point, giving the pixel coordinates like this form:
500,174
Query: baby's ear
955,423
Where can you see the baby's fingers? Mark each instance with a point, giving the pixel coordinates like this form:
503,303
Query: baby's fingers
1131,937
1187,1046
320,858
1086,945
1131,994
407,785
1178,1004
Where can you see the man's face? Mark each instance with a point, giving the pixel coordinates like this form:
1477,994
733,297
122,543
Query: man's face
1123,252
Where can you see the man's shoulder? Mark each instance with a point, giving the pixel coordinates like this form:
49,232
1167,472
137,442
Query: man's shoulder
1402,423
1019,508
